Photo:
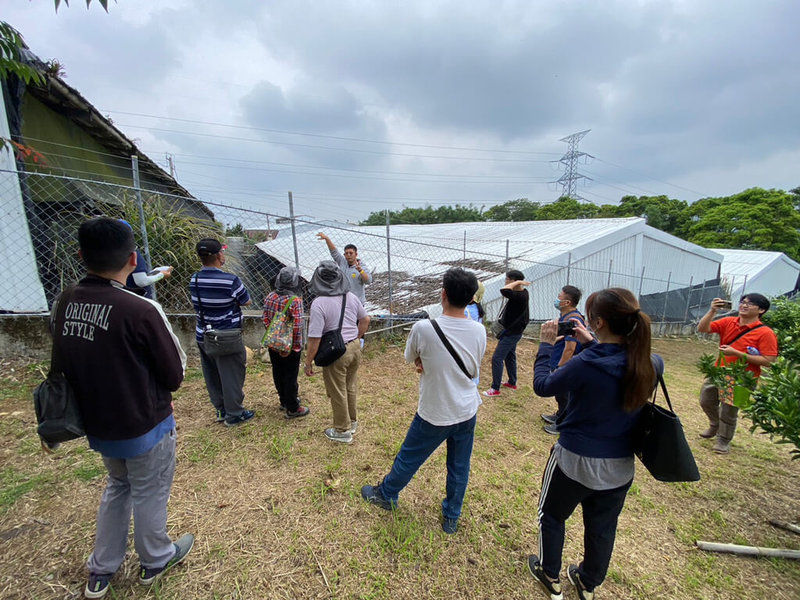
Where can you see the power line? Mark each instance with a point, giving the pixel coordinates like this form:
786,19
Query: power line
333,137
318,147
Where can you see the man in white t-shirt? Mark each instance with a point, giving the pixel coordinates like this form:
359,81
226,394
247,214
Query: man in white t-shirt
448,399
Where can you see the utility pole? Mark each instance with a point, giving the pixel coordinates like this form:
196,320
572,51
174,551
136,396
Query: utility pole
171,166
570,161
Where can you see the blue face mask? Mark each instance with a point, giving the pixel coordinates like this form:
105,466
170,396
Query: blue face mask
557,303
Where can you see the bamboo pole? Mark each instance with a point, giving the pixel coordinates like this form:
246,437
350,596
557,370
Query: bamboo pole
784,525
748,550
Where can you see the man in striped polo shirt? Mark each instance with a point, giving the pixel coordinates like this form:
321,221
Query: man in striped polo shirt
217,297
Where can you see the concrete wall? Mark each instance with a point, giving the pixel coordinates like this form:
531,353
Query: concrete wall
29,336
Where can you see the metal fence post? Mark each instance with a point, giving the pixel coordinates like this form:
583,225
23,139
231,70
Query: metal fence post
465,244
506,256
666,299
641,281
610,264
688,300
389,268
142,223
294,232
569,265
744,286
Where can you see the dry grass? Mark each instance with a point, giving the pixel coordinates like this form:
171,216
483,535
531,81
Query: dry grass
277,512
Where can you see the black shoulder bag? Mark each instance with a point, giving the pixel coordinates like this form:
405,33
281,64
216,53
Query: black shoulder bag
57,412
660,443
217,342
331,344
450,349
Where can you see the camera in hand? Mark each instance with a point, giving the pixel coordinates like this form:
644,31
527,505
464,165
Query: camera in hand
726,304
566,328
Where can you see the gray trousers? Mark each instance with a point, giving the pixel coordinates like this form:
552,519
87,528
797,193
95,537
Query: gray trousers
141,484
224,377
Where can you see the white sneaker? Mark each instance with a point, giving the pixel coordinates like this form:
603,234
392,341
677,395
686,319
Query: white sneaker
353,427
345,437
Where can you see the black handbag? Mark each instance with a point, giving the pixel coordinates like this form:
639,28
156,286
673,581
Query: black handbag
497,327
218,342
331,344
660,443
58,415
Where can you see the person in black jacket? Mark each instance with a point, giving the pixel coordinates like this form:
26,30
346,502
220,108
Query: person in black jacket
514,319
122,360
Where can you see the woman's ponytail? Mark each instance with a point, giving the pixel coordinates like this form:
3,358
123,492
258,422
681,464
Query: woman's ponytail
620,310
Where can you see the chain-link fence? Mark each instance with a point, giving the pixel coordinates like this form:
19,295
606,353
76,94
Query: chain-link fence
41,214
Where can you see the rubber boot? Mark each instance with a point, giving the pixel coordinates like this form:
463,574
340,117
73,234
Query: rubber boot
728,415
709,402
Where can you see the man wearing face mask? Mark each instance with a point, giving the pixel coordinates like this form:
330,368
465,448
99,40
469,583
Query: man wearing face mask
565,348
356,272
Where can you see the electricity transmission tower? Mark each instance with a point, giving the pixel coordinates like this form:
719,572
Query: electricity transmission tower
570,161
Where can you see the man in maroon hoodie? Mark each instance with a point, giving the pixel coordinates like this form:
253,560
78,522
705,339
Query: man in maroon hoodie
122,360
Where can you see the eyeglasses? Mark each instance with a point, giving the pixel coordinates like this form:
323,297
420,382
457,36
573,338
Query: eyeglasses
745,303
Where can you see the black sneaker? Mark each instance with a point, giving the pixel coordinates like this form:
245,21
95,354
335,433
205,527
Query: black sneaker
239,419
301,411
551,429
550,419
221,415
449,526
371,494
575,579
553,587
98,585
182,548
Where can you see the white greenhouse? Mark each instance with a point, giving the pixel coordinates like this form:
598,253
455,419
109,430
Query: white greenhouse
590,253
768,273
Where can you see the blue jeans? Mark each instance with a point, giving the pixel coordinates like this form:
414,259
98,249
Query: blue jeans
421,440
505,353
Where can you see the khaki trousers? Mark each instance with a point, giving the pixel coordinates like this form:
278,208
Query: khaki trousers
341,385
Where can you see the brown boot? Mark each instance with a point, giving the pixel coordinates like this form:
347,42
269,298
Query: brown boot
709,402
727,428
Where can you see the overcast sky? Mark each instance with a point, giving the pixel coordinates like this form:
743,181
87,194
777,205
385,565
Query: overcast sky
358,106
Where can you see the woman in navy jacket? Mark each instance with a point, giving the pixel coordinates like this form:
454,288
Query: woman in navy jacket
592,462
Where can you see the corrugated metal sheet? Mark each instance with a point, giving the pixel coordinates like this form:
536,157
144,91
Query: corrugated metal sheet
762,271
549,253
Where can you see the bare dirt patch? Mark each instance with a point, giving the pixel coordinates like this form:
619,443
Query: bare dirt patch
277,512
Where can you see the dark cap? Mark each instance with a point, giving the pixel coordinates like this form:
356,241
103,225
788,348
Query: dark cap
208,246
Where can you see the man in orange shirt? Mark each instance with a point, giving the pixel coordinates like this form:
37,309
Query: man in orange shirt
741,338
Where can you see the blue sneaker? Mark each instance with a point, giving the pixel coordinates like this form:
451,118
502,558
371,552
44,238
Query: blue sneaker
239,419
449,526
182,548
221,415
371,494
98,585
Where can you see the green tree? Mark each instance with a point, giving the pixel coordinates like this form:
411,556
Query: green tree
756,219
427,215
566,208
664,213
520,209
11,43
103,3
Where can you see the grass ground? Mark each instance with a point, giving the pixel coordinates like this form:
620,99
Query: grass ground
277,512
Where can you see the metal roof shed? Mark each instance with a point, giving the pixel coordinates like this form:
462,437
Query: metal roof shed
589,253
768,273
